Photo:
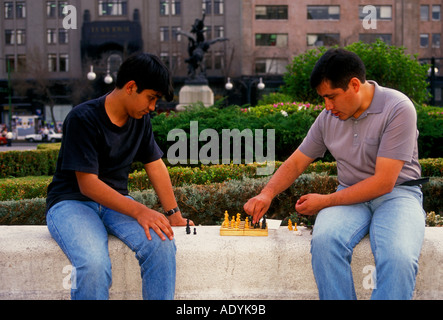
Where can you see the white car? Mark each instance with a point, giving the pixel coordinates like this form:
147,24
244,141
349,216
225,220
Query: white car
52,137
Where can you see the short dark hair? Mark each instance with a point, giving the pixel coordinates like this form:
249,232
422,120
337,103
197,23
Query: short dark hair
338,66
148,72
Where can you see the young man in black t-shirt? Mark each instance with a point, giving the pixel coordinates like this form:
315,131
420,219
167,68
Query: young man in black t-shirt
89,196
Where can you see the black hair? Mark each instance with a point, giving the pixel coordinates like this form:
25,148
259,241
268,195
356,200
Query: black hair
338,66
148,72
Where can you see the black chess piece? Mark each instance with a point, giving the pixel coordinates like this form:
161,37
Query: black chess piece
188,228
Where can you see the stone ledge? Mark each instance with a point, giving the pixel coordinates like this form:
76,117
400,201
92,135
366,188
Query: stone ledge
209,267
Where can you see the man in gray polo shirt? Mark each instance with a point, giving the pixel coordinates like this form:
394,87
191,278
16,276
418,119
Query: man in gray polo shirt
372,133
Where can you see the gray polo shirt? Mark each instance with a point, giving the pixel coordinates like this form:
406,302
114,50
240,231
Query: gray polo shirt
388,128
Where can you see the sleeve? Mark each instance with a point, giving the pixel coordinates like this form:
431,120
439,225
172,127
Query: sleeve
80,146
149,150
400,135
313,145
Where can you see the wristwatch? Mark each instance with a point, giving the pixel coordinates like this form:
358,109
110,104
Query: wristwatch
171,212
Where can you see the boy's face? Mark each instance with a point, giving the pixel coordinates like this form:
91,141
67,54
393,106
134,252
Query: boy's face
140,104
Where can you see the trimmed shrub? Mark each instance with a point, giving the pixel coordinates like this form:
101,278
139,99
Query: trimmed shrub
388,65
206,204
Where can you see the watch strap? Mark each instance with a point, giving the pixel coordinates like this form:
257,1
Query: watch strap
171,212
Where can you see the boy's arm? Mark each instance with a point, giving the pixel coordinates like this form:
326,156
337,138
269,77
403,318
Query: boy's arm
159,176
95,189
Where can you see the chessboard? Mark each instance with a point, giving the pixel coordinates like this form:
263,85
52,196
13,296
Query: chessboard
238,227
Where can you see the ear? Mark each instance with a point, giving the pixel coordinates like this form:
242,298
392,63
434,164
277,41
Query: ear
355,84
131,87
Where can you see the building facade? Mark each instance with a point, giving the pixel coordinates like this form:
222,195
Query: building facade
59,42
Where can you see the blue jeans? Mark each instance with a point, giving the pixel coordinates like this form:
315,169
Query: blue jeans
81,230
395,223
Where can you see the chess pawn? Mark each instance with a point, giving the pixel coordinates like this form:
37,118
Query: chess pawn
295,227
247,223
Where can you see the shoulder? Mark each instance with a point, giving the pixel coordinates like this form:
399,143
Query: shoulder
86,110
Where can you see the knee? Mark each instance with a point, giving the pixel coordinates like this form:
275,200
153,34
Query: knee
156,249
95,268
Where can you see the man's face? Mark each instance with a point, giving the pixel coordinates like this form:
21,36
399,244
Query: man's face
342,104
140,104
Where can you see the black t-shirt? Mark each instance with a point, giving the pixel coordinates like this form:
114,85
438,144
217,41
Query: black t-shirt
93,144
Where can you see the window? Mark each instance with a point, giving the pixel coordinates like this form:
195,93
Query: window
64,63
213,6
9,10
383,13
15,37
51,9
51,36
436,13
436,37
55,8
21,63
9,37
58,63
172,7
424,13
20,10
323,39
270,66
271,12
21,37
112,7
176,34
424,40
63,36
323,12
164,34
10,63
271,40
52,62
372,37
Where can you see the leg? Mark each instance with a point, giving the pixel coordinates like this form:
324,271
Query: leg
80,233
397,234
156,257
337,231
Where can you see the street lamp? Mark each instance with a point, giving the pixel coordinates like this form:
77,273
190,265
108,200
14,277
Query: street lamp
260,86
92,76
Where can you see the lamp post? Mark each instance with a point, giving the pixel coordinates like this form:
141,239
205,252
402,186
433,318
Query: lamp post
229,86
92,76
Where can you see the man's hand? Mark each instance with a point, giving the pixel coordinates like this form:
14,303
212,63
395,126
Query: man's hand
258,206
311,204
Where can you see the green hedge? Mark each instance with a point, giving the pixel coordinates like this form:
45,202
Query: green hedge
35,187
206,204
28,163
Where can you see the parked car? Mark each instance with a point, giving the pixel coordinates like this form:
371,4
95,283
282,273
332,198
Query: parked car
52,137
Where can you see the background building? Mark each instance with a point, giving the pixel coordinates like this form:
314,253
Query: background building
51,45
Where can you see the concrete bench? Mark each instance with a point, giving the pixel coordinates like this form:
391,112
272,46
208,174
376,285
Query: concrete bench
209,266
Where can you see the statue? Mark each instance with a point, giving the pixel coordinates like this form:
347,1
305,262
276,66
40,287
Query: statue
197,48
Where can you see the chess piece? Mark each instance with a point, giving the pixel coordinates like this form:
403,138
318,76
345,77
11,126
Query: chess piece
188,228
